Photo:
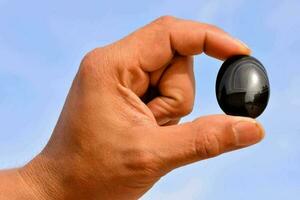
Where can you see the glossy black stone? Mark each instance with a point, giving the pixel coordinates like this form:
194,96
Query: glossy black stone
242,87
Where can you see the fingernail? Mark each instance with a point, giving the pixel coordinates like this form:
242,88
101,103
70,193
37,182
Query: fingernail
247,131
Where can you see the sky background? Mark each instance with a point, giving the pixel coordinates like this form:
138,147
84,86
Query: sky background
41,46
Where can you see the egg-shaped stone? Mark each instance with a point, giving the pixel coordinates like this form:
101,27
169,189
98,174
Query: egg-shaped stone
242,86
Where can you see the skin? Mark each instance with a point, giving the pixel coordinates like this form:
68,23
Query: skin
115,137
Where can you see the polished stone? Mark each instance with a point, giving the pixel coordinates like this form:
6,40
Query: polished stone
242,87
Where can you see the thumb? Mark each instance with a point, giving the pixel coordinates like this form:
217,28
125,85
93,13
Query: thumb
205,137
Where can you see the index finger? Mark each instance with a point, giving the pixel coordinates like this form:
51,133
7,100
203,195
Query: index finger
155,44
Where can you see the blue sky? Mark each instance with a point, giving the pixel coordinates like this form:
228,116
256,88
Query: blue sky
42,43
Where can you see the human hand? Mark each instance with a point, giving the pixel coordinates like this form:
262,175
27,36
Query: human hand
118,133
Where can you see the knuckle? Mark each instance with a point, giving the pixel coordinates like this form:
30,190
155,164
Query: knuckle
207,145
213,27
181,105
87,64
186,108
94,64
142,161
145,160
90,56
165,20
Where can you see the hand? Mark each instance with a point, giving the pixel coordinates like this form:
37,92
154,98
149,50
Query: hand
117,133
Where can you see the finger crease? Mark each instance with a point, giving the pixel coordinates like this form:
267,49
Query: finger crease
204,46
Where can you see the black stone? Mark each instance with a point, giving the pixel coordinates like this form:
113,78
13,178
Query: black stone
242,87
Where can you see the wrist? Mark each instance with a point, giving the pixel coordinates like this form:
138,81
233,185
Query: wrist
59,177
39,180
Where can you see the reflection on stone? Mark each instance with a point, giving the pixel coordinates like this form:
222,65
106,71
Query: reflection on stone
242,87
